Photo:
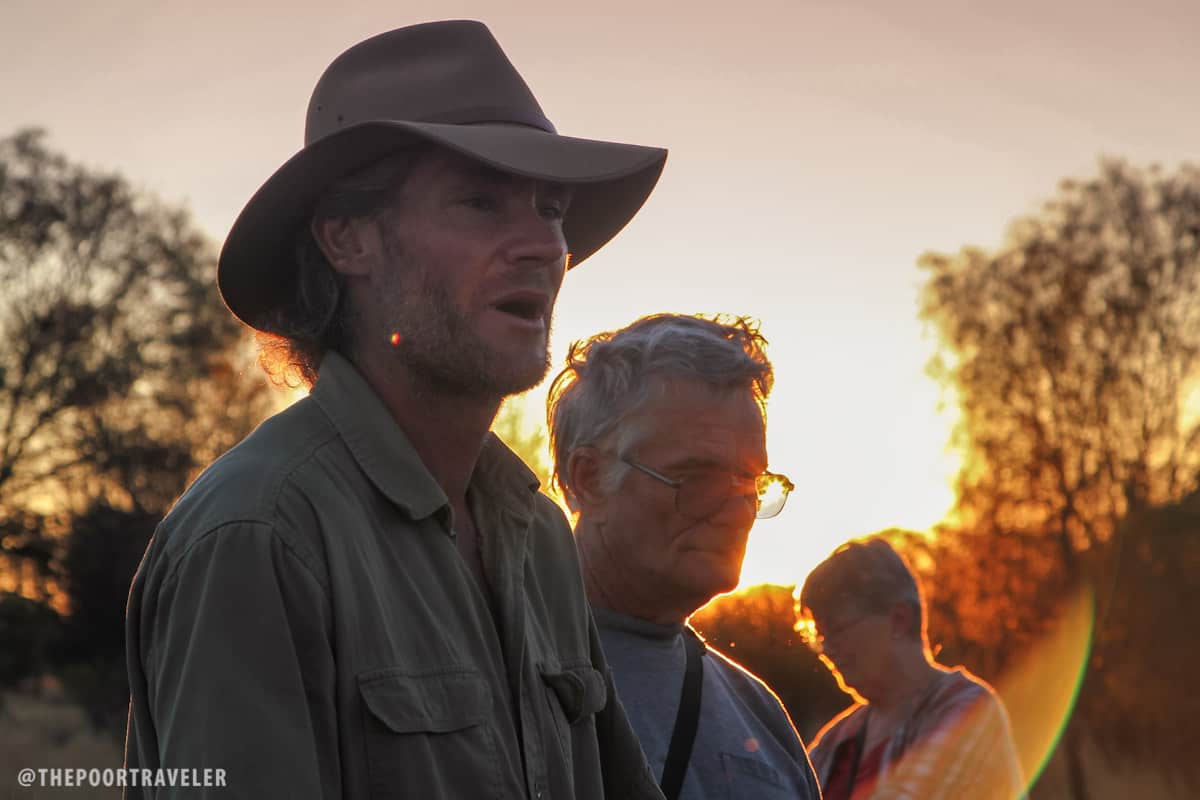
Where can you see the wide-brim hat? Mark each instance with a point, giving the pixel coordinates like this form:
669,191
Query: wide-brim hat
446,83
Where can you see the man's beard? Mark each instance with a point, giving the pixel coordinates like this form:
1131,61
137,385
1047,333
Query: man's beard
438,345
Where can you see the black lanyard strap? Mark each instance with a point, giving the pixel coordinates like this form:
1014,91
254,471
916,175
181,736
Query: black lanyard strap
686,719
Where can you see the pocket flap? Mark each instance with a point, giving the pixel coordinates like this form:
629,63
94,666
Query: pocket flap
433,702
581,691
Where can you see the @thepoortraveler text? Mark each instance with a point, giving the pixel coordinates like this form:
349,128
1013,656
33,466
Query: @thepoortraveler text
208,777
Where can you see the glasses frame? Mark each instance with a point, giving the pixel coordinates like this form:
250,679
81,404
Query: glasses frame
783,480
816,642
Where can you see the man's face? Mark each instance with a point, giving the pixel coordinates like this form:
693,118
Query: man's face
691,430
855,648
470,261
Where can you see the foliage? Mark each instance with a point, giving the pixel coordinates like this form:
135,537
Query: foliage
116,367
27,628
529,442
986,596
757,628
1147,649
1073,352
100,556
27,542
121,374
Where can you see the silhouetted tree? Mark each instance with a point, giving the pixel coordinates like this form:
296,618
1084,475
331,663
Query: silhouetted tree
1141,686
1073,351
121,374
100,555
28,628
119,367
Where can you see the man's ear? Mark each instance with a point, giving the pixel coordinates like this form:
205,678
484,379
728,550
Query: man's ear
346,243
586,474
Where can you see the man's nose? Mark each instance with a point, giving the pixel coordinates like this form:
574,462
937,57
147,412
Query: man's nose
537,239
739,511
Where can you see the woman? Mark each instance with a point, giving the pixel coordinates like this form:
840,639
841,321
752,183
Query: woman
917,729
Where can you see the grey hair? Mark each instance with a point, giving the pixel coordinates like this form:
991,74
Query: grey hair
299,333
611,376
868,574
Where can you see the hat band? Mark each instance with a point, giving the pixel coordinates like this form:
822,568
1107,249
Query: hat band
480,115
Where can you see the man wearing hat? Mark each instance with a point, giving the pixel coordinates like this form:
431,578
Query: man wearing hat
368,597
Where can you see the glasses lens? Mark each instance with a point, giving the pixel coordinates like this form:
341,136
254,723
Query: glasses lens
701,496
772,494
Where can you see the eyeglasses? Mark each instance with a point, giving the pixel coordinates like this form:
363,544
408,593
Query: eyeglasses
816,639
703,494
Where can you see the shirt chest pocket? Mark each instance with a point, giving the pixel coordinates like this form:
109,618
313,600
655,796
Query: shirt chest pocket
428,734
755,779
574,695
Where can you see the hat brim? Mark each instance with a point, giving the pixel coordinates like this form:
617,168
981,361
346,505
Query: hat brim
610,182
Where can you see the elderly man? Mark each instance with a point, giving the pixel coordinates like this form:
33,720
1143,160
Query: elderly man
660,446
368,597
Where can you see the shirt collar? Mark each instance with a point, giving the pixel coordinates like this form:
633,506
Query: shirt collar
643,628
502,476
386,456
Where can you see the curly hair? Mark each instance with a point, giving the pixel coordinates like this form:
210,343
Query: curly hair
611,376
293,337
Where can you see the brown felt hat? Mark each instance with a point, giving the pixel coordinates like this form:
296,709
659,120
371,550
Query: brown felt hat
447,83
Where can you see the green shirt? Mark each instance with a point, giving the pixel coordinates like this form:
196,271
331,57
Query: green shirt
303,620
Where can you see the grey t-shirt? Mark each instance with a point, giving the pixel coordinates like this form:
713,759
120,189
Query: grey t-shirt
745,747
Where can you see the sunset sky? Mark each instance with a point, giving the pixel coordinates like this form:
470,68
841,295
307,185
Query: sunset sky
817,148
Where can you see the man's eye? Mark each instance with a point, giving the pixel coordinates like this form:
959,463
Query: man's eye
553,210
481,202
715,479
723,482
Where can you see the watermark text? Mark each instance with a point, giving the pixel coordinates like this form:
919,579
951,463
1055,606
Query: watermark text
69,777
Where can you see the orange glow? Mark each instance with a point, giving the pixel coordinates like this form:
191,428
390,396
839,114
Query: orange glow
285,397
841,680
854,474
856,470
395,339
808,224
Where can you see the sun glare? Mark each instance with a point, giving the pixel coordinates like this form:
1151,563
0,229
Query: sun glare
285,397
859,465
862,460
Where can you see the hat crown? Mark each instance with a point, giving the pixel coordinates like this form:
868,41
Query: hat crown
443,72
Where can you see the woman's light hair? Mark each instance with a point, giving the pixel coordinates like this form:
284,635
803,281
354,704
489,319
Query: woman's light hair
867,575
314,322
609,377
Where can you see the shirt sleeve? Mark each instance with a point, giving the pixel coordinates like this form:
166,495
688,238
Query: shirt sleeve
232,668
796,750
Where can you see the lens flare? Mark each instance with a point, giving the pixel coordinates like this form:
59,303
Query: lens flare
395,339
1042,686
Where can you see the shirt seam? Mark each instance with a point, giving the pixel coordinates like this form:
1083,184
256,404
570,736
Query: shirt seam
270,526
